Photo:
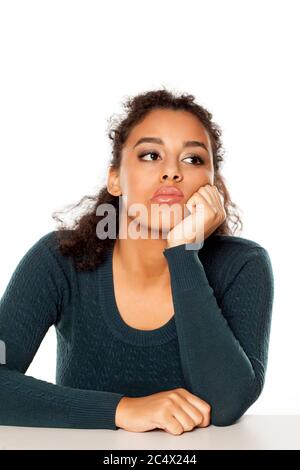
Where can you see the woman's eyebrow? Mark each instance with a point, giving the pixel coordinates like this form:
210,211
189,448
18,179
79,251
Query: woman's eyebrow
157,140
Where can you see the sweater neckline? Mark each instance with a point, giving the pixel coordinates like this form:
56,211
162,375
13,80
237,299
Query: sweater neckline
113,318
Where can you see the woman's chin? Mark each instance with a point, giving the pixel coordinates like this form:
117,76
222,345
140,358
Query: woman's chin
158,230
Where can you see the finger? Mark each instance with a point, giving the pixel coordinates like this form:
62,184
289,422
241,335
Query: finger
218,197
202,405
204,409
195,222
195,201
189,409
206,417
173,425
209,195
221,205
213,191
183,418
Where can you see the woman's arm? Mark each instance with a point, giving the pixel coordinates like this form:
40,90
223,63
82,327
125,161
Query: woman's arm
223,347
31,303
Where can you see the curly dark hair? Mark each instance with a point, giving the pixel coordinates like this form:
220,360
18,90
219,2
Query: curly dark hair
80,241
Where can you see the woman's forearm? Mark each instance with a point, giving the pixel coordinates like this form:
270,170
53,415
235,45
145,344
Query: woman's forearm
215,365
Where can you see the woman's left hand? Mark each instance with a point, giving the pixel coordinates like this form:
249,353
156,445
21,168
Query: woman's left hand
207,213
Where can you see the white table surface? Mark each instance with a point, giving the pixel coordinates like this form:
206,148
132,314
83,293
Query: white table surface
250,432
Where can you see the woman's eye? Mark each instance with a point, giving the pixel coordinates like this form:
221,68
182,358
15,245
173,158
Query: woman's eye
142,155
199,159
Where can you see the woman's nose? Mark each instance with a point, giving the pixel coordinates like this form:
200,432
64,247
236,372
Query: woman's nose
172,176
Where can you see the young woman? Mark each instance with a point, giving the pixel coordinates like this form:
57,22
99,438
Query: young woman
154,331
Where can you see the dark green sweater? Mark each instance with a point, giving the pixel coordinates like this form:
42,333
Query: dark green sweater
215,346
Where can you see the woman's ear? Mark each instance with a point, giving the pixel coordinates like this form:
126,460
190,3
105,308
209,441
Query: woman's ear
113,183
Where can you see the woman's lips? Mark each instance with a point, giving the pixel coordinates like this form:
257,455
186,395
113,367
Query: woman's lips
166,198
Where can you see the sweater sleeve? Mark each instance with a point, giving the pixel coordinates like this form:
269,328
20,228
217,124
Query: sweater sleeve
31,303
223,344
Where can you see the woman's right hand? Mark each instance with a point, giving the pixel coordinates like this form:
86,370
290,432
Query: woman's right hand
174,411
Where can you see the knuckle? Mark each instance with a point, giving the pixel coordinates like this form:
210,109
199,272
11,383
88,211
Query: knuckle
172,395
168,401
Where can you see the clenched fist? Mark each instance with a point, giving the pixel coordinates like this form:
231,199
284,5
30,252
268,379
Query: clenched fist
174,411
207,213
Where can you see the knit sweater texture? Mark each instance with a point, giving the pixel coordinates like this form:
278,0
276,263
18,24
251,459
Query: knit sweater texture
215,345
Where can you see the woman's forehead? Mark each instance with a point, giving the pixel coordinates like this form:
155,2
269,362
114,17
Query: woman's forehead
168,124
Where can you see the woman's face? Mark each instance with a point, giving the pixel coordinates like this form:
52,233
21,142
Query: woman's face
146,166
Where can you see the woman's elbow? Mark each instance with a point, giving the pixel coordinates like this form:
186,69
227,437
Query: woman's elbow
223,418
230,414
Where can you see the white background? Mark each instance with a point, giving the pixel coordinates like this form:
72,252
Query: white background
66,67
